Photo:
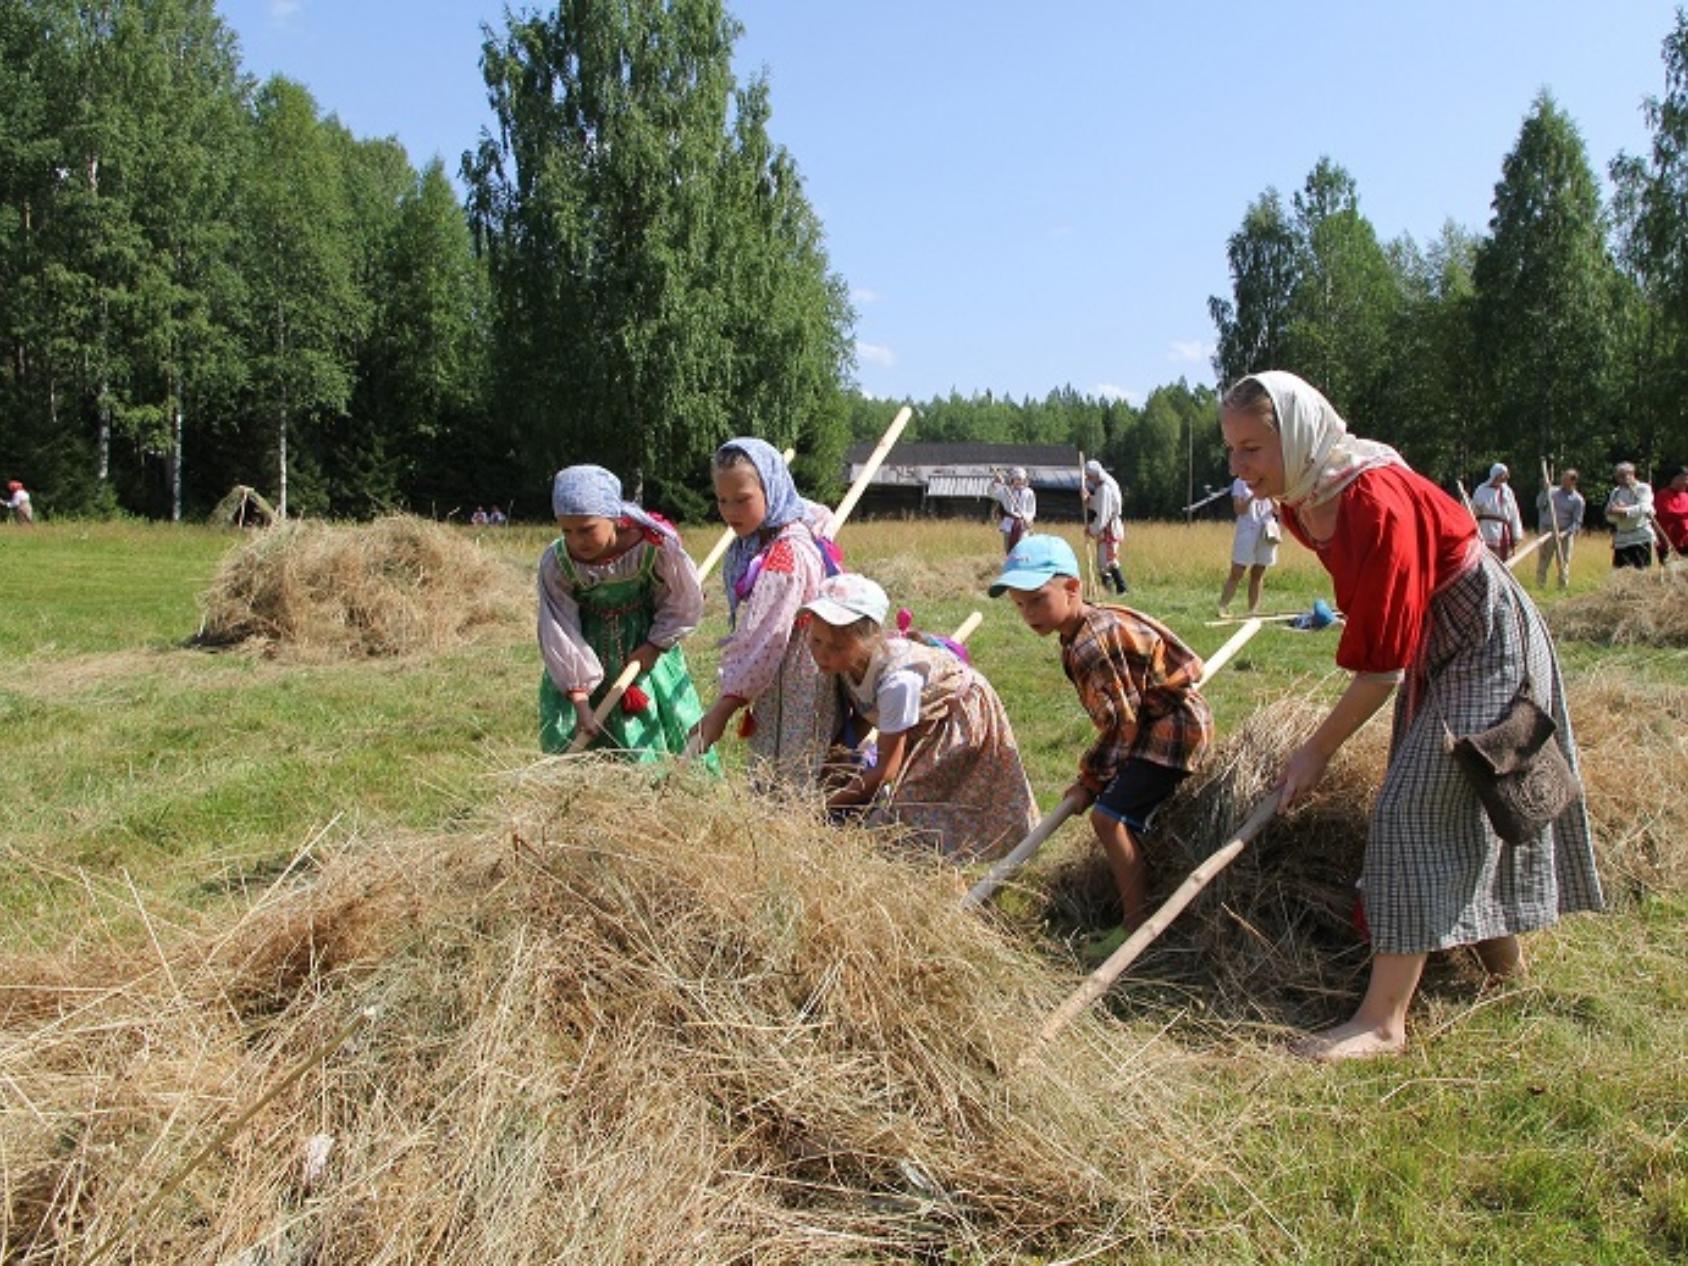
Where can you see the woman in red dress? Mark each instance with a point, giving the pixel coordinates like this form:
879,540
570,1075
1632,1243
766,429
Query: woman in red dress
1430,611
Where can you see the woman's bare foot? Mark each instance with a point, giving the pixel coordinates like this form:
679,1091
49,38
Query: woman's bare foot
1358,1039
1502,958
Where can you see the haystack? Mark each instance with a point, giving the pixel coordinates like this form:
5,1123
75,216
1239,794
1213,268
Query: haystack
391,587
1633,608
636,1026
243,507
1275,938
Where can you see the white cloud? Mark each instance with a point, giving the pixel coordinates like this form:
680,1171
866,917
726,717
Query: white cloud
282,10
861,294
1113,391
875,354
1193,351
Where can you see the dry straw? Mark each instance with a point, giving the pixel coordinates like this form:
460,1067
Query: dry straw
1633,608
391,587
639,1026
1273,939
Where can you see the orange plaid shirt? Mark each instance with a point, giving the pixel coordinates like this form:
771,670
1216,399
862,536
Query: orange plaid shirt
1138,683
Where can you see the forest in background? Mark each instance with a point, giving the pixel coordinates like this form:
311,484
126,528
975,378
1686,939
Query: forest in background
206,280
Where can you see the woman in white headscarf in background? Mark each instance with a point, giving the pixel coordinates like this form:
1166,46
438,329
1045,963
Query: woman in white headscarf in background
1430,610
1104,522
1498,522
1018,506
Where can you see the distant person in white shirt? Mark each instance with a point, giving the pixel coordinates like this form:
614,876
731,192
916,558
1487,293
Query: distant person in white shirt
1498,520
1559,510
1104,522
17,501
1018,504
1254,545
1629,509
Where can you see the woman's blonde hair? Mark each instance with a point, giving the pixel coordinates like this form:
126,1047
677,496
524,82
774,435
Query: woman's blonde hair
1249,395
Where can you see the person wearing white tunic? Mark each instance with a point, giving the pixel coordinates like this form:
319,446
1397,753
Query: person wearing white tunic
1629,509
1498,521
1018,504
1254,545
1104,522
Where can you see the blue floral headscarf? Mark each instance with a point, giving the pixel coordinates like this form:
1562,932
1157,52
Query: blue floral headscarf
784,506
594,491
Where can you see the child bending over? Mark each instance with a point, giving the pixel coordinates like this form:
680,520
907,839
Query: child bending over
1138,683
947,766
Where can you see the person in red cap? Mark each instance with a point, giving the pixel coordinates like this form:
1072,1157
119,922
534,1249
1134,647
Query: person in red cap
17,501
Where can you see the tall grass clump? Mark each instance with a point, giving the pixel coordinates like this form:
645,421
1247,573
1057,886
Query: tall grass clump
616,1024
391,587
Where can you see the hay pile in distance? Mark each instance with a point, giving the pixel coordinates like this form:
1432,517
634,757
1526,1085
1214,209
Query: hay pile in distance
392,587
1633,608
640,1026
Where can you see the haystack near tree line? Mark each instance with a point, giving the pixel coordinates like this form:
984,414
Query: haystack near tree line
954,480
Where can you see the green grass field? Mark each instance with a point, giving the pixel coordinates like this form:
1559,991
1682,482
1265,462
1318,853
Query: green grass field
1544,1122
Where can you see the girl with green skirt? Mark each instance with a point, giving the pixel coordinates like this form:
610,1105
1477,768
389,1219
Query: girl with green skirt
616,586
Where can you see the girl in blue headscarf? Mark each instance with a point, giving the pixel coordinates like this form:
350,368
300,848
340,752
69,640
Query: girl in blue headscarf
774,566
615,586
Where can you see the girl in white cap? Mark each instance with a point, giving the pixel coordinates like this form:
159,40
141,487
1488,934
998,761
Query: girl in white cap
1104,522
616,586
1496,509
947,767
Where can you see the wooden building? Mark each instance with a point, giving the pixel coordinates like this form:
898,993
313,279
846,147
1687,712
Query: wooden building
954,480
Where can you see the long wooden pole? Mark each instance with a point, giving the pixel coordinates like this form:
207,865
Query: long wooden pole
1564,574
881,451
1090,589
1519,555
630,671
1096,984
1023,852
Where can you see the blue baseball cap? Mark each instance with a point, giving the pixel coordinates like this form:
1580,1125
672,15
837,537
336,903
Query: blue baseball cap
1035,561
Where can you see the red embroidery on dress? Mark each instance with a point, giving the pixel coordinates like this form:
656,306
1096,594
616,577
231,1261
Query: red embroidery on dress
780,558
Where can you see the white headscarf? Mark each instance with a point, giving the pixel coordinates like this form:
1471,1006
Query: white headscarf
1320,457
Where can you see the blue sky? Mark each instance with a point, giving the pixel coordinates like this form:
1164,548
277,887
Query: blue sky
1023,196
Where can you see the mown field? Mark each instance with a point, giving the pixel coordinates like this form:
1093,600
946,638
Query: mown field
149,782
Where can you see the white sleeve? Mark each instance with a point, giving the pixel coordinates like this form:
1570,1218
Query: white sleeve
898,700
679,598
572,664
1030,515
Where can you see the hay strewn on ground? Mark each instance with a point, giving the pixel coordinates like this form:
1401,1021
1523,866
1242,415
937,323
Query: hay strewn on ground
1633,608
391,587
1273,940
639,1027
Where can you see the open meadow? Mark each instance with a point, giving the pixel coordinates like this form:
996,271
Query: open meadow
169,808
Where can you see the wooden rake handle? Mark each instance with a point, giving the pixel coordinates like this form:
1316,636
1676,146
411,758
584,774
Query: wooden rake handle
1097,983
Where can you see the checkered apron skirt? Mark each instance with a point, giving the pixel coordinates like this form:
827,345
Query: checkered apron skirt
1436,874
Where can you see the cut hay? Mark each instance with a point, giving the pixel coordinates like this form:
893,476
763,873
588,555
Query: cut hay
1274,939
1633,608
391,587
639,1026
242,507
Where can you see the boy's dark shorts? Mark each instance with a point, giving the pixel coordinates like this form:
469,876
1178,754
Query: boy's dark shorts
1138,789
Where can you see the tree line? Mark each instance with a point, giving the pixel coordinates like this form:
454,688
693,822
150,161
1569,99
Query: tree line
206,280
1560,333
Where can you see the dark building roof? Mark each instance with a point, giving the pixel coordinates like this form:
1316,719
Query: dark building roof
968,454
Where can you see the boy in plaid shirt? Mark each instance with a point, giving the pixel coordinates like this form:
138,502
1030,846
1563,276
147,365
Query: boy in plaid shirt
1137,681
